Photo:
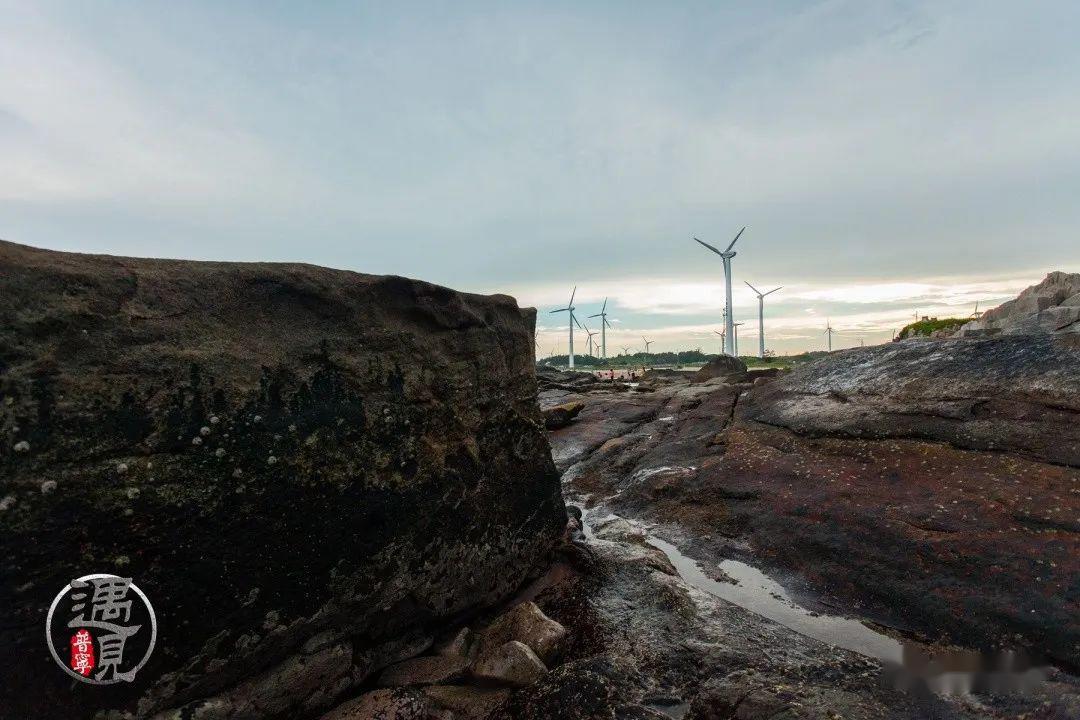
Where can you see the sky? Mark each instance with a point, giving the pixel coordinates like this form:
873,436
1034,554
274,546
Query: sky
889,159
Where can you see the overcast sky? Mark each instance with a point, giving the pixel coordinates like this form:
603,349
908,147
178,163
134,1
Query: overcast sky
887,157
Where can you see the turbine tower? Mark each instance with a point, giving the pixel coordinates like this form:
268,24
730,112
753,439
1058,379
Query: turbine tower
735,329
726,256
761,317
604,324
573,319
829,332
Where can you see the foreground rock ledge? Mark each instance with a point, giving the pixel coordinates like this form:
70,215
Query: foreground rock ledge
279,455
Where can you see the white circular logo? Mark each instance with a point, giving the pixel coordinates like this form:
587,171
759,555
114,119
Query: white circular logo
101,629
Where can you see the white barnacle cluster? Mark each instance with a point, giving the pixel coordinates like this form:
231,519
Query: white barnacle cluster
22,446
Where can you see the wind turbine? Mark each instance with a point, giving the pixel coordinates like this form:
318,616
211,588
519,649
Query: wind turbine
604,324
590,333
647,344
976,314
735,329
721,334
726,256
829,332
573,319
761,317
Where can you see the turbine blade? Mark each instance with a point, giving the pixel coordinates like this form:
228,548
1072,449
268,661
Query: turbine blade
572,294
735,240
602,309
560,310
774,290
709,246
575,319
596,315
753,288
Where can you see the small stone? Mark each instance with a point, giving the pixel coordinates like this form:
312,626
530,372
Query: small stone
196,440
22,446
214,420
526,623
220,452
48,486
276,438
149,466
7,502
292,428
237,473
257,418
121,468
204,431
271,460
512,663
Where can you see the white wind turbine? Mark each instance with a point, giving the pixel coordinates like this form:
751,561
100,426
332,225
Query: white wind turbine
829,332
647,344
604,324
761,316
726,256
591,345
721,334
573,319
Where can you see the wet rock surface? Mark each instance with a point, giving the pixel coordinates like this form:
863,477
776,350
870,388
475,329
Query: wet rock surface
295,464
930,487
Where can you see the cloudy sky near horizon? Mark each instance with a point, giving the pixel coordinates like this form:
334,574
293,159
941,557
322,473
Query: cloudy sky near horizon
887,157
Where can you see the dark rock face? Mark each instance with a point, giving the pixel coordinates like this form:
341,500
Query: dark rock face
275,453
718,367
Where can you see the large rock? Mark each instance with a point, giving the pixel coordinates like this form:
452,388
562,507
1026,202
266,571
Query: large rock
722,366
1052,306
1018,394
277,454
561,415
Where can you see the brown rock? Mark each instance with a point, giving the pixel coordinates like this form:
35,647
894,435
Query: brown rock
458,644
723,366
426,670
512,663
467,702
396,704
113,362
526,623
561,415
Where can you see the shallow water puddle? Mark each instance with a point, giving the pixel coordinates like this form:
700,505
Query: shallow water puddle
760,594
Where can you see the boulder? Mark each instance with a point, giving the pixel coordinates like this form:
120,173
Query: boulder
273,452
723,366
560,416
526,623
1052,306
512,663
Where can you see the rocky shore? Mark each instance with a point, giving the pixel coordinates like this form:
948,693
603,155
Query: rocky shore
344,495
